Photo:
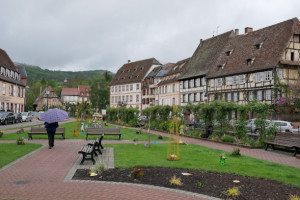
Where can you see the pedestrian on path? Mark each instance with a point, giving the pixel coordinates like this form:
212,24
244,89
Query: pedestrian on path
51,129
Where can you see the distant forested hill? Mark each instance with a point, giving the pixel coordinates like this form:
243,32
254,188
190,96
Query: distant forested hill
36,73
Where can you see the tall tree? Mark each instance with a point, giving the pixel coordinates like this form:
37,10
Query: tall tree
100,91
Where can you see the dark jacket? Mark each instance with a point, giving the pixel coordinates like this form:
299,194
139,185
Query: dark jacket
51,127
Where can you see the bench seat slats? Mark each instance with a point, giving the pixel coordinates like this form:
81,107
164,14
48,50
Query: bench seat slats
103,131
43,131
288,140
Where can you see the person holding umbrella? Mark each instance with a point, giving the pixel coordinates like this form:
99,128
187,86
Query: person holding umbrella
51,118
51,129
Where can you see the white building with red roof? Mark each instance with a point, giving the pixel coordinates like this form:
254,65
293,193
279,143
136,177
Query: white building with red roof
76,95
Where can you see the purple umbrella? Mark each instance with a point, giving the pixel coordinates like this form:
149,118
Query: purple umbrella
54,115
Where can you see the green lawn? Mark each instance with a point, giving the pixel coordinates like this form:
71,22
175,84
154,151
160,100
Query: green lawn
198,157
10,152
127,134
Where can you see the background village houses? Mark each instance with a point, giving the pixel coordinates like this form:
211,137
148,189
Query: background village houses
230,67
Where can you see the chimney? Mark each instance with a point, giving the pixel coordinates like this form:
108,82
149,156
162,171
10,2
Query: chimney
248,30
129,61
237,32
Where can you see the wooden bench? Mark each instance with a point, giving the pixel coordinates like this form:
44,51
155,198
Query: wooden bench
98,143
288,140
88,150
103,131
43,131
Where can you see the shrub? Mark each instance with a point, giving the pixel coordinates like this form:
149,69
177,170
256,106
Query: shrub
164,126
137,173
99,168
199,184
236,152
233,192
1,133
175,181
294,197
227,138
160,137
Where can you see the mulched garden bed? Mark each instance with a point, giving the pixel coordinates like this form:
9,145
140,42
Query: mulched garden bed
213,183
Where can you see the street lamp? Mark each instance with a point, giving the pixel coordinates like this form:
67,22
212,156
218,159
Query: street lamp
47,92
151,104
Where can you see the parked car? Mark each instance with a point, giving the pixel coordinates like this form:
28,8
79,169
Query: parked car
18,117
285,126
34,113
7,117
26,116
251,127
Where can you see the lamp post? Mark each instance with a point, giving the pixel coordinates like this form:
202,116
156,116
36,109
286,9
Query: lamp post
47,92
150,103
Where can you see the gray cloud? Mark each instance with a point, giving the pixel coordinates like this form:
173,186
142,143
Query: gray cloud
97,34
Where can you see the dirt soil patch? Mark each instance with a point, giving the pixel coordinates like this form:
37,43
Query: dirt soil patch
208,183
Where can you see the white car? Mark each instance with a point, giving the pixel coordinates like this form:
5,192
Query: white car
284,126
26,116
251,127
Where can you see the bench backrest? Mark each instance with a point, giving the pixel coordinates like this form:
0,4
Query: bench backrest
103,130
287,138
43,130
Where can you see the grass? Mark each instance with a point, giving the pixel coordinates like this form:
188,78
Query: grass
127,134
198,157
10,152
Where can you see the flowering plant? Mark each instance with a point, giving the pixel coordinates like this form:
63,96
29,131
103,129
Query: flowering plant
222,156
21,141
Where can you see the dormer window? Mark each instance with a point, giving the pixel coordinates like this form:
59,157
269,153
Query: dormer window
250,61
228,53
220,67
258,46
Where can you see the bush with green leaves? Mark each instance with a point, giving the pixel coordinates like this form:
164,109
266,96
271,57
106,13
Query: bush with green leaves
236,152
164,126
227,138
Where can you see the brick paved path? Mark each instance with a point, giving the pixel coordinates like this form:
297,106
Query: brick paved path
41,175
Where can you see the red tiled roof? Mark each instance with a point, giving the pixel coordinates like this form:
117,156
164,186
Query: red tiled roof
5,61
69,91
133,72
85,89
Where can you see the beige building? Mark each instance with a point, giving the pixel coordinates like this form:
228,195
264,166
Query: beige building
168,88
12,95
243,67
126,86
47,99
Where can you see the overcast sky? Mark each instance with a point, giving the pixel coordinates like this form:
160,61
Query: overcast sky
78,35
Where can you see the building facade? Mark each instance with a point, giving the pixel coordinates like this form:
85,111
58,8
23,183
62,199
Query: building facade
126,86
12,95
69,95
84,93
244,67
47,99
169,86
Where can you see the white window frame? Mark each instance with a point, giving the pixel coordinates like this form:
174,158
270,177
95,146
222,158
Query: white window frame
212,83
268,94
3,88
259,95
235,97
229,98
219,82
242,79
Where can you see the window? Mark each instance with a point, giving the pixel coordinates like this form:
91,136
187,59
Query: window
259,95
220,67
249,62
219,82
280,73
242,79
14,91
119,88
212,83
258,77
123,88
185,98
228,96
292,56
228,80
126,98
137,86
130,99
203,81
191,83
258,46
297,38
191,97
112,89
198,82
234,80
185,84
137,98
268,94
127,87
197,97
235,96
228,53
131,87
251,95
268,75
87,94
3,88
